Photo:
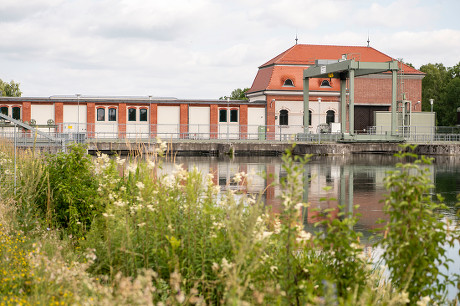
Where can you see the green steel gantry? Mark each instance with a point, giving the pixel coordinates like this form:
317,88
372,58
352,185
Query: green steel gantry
349,69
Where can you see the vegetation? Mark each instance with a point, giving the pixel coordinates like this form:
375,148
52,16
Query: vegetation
442,84
10,89
237,94
137,234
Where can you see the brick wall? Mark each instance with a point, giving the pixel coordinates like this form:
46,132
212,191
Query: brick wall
243,121
183,120
59,115
153,119
90,119
122,120
214,128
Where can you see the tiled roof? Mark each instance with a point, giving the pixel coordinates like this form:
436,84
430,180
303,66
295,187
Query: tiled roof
292,62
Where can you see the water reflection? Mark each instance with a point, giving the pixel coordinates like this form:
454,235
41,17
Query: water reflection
353,180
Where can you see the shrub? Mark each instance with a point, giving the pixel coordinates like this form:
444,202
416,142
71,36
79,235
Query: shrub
68,191
414,239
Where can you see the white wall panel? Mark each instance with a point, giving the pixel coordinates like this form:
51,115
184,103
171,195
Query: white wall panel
199,120
168,118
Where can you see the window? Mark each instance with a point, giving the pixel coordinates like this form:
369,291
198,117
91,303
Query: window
288,82
16,113
309,117
233,115
142,114
222,115
4,110
101,114
132,114
330,116
284,116
325,83
112,114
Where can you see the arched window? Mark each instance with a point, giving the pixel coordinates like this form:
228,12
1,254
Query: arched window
325,83
131,114
288,82
16,113
112,114
101,114
143,114
4,110
284,117
330,116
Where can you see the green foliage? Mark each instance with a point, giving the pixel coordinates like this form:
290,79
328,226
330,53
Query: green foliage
442,85
342,254
171,236
414,239
237,94
10,89
68,194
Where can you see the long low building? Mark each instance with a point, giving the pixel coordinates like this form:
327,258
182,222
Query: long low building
274,109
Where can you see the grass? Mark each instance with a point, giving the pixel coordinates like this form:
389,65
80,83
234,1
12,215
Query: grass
136,236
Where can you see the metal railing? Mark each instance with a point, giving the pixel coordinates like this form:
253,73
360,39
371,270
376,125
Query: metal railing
49,135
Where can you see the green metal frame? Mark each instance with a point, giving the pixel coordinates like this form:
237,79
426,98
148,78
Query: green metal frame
349,69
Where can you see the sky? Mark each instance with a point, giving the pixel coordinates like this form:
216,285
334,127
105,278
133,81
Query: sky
201,49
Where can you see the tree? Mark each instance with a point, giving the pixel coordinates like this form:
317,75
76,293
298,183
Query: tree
10,89
237,94
441,85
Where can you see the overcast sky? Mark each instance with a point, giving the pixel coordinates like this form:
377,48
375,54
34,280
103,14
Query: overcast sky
201,48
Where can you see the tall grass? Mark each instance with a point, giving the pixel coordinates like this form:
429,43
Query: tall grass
135,234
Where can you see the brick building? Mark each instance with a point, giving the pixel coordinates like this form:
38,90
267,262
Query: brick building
279,83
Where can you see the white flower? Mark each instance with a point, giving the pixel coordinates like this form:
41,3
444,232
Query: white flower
150,164
140,185
215,266
298,206
132,168
423,301
120,161
120,203
303,236
141,224
273,269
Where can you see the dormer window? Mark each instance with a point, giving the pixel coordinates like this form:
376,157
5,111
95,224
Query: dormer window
289,83
325,83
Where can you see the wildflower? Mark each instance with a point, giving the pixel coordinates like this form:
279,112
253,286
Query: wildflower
141,224
273,269
303,236
150,164
423,301
119,203
132,168
298,206
140,185
120,161
215,266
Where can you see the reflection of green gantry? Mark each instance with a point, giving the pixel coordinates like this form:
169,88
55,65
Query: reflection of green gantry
350,69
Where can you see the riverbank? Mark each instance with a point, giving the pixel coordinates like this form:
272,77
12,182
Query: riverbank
251,148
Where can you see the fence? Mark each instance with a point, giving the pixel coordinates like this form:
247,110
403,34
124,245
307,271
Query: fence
80,133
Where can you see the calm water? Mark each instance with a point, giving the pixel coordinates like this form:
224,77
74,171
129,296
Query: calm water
353,180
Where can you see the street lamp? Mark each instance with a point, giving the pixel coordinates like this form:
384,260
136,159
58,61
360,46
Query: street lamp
431,103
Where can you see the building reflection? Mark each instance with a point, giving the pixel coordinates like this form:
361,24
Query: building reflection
350,180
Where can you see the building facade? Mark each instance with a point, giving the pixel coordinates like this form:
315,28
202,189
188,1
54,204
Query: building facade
274,109
279,84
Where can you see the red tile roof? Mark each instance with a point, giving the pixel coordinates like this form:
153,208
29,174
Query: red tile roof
272,74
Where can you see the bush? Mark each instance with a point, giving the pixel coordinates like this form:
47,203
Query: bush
415,237
68,191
